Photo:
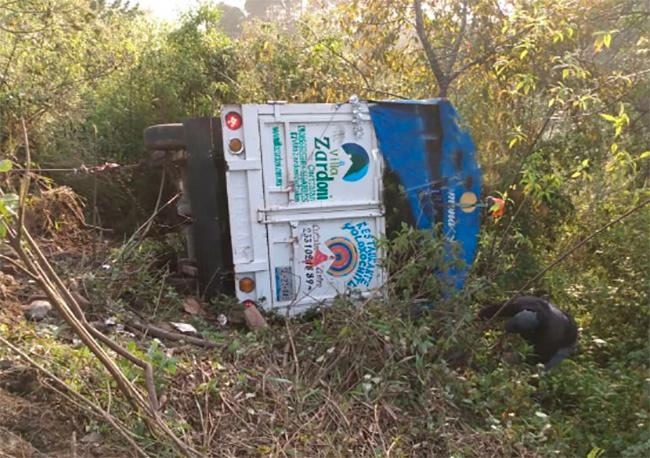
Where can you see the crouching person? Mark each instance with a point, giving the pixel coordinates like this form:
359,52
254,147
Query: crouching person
552,332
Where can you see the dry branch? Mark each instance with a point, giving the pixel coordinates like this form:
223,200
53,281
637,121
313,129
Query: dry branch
155,331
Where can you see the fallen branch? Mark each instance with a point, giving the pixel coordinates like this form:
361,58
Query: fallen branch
70,302
155,331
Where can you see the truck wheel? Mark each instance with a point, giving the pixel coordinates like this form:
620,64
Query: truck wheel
164,137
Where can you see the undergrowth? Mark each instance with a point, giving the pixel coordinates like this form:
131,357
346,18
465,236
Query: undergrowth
378,378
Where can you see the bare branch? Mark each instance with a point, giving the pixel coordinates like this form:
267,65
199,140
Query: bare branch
24,183
353,65
499,47
459,38
155,331
441,78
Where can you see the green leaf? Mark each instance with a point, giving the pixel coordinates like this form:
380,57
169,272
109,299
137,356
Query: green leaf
608,117
607,39
576,174
595,452
5,165
8,204
644,155
598,44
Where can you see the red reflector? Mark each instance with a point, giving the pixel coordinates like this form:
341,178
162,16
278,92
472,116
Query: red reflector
248,303
233,120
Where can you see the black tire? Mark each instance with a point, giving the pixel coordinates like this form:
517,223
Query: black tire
164,137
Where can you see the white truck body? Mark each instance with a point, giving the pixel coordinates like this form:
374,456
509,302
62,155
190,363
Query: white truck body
304,202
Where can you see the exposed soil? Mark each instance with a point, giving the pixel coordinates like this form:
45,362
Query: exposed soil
34,427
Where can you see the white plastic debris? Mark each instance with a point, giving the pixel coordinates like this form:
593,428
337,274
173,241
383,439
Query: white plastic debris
184,328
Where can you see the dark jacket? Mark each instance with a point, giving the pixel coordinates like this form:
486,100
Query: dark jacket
553,335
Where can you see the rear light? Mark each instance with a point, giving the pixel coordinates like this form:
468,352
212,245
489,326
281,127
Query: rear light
235,146
246,285
233,120
248,303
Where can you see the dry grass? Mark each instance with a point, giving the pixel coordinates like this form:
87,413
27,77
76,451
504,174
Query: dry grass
349,389
354,380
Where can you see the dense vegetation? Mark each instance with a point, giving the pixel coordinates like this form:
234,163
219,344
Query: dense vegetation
555,94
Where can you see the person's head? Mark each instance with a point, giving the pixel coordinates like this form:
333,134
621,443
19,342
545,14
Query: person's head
523,322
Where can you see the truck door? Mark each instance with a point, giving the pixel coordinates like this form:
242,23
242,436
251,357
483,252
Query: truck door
322,192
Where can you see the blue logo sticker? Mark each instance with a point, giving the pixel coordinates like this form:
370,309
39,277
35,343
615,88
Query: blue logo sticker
360,161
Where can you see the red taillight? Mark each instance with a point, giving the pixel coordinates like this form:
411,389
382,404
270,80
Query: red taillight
248,303
233,120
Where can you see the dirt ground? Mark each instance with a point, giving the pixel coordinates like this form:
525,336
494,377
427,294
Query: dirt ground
31,428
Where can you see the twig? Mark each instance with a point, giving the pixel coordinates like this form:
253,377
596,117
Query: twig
488,54
158,199
379,430
354,66
5,72
66,300
34,260
531,147
17,265
131,244
459,39
160,293
295,353
529,151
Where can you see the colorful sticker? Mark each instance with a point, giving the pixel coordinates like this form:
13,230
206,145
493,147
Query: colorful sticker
346,256
352,256
360,161
367,247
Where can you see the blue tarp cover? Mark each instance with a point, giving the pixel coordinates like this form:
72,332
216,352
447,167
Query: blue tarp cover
435,160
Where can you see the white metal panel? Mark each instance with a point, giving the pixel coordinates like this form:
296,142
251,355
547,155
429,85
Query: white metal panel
245,196
315,206
315,157
329,257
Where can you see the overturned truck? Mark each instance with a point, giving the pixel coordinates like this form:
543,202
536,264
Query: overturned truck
285,202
